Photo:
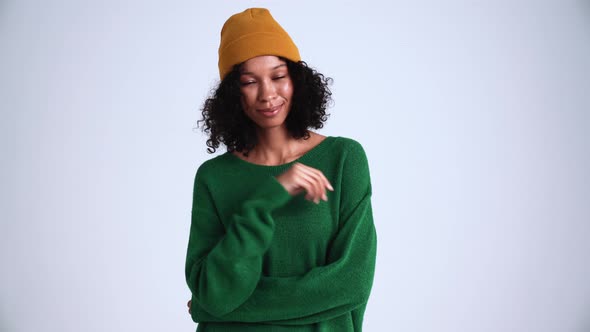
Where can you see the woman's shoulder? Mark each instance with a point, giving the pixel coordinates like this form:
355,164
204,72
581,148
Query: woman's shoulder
347,141
347,145
215,165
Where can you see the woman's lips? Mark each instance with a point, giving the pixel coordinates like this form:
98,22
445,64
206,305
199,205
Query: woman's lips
269,112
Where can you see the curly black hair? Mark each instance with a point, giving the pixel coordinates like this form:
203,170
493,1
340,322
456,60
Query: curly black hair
225,121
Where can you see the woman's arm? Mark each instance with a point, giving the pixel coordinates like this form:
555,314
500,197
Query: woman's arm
328,291
223,266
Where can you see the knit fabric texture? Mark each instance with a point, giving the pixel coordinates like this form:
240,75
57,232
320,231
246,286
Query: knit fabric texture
259,259
252,33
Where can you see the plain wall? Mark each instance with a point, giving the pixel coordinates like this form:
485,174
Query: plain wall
474,116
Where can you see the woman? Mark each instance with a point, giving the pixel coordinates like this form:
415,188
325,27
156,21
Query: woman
282,235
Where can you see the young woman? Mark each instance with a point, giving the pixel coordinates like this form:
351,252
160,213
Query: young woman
282,235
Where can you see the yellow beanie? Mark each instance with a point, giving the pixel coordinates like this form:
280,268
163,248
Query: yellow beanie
252,33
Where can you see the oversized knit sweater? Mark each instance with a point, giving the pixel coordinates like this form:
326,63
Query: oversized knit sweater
259,259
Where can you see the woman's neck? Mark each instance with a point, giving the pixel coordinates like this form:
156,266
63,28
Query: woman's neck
275,146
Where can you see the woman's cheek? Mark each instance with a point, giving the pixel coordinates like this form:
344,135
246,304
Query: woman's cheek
287,89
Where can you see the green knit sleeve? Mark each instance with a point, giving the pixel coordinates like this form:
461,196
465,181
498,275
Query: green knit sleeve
329,291
223,266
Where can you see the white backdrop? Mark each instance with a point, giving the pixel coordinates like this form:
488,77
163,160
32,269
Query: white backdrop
475,117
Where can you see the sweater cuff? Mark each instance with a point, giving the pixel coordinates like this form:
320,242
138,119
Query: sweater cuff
274,190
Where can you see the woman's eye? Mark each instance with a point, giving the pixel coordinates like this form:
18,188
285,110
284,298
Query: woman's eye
278,77
247,83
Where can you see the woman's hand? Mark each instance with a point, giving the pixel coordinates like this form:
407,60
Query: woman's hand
301,178
188,304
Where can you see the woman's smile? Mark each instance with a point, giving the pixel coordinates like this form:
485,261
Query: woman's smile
272,111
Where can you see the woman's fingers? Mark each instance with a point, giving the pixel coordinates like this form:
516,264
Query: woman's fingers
310,182
321,175
320,181
312,186
304,178
316,183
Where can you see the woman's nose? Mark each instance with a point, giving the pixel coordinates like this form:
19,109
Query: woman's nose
267,91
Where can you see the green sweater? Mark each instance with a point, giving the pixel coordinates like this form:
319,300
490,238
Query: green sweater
261,260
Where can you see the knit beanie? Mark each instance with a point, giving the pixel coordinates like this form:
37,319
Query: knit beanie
252,33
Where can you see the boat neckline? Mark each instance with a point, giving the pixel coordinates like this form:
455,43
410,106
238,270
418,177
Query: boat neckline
314,151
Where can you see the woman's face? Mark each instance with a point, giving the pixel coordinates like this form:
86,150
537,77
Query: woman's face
266,90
